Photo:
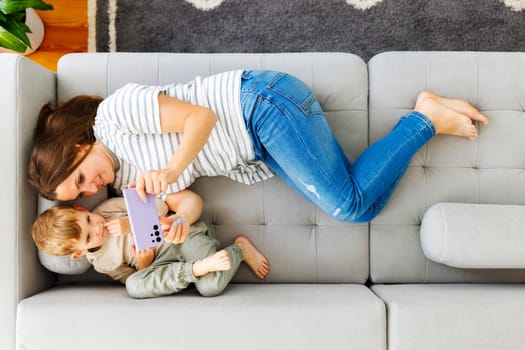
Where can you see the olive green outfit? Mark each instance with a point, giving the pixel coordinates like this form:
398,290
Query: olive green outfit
171,270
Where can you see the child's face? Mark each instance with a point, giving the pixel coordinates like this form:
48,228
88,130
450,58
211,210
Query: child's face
94,233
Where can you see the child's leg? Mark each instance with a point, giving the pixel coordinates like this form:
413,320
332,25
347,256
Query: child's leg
200,246
200,243
255,260
165,276
213,283
242,250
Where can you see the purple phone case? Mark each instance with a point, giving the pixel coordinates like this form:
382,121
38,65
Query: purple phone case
144,220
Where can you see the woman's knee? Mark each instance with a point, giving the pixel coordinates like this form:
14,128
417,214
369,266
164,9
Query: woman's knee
348,216
358,215
351,214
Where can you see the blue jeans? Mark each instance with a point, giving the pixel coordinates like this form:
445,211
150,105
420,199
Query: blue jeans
291,135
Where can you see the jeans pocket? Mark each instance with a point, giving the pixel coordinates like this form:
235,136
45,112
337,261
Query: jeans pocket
246,75
295,91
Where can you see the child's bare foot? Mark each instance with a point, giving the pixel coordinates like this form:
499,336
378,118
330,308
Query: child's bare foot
219,261
255,260
450,116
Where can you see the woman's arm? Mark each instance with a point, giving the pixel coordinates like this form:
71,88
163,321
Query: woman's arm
196,124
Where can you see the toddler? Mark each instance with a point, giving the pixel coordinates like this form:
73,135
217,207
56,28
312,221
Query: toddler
103,235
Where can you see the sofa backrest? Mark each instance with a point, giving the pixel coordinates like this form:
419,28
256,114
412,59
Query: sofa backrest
302,243
448,169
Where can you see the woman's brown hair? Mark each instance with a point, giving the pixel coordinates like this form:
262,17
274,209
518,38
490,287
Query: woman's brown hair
57,133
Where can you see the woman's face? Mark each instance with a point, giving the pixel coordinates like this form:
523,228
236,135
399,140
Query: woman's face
94,172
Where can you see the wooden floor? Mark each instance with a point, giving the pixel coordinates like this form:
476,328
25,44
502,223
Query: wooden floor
66,31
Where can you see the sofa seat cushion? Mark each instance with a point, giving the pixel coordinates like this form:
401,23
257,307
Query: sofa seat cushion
249,316
454,316
468,235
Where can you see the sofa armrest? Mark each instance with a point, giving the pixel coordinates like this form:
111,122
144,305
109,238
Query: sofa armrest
476,236
24,88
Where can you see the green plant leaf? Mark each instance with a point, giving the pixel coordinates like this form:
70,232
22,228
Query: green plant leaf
18,29
19,16
9,41
11,6
13,30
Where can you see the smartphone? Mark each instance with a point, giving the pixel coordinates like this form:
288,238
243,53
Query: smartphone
144,220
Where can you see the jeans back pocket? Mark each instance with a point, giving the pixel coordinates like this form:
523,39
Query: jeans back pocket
296,91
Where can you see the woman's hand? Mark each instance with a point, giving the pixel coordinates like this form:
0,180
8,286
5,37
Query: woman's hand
144,257
153,182
173,230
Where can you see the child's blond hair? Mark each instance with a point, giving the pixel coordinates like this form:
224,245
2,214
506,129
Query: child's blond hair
56,231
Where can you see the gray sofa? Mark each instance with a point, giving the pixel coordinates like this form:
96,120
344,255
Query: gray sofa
332,285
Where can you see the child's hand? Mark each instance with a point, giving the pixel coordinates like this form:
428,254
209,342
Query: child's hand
144,257
118,226
174,233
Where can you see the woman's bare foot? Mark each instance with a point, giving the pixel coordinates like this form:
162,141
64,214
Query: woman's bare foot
255,260
450,116
460,106
219,261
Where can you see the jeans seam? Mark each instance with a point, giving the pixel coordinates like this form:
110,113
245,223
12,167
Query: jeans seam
307,113
270,86
426,120
418,131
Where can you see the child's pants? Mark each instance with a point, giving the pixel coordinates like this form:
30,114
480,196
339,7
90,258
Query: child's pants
171,271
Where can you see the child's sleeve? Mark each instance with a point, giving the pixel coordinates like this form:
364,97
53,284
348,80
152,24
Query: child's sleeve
121,274
112,208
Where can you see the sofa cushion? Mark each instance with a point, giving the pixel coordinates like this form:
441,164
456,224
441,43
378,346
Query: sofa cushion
475,235
63,264
487,170
454,316
245,316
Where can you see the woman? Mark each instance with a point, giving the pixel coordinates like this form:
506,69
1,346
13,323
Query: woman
246,125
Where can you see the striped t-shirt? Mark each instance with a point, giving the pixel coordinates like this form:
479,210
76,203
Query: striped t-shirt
128,124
